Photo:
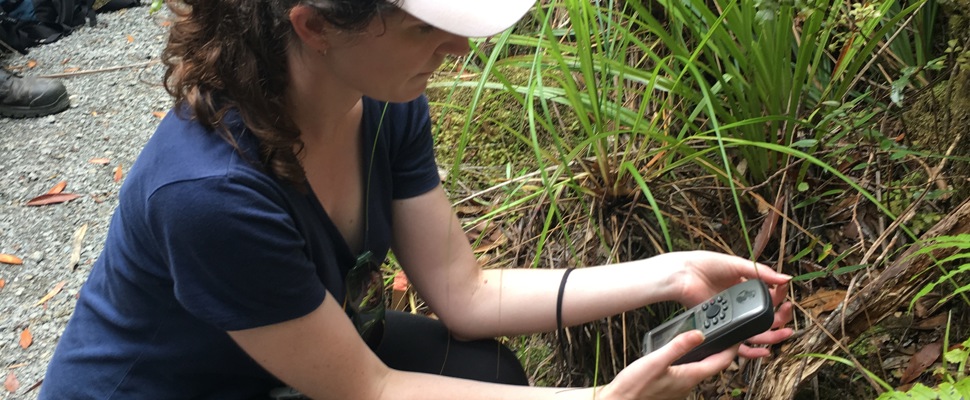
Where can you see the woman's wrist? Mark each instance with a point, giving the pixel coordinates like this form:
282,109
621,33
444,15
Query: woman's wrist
667,277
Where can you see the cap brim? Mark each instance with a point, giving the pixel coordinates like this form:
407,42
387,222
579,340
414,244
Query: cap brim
471,18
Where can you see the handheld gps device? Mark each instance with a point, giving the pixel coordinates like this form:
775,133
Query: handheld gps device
740,312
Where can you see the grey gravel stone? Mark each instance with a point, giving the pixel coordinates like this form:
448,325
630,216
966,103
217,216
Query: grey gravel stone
110,117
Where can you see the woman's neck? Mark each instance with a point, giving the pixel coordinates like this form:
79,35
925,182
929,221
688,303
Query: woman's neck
320,105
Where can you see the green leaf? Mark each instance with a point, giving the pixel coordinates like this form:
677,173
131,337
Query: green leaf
848,269
860,166
826,250
809,276
947,391
156,6
963,387
922,392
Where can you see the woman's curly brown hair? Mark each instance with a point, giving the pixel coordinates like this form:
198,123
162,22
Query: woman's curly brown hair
231,54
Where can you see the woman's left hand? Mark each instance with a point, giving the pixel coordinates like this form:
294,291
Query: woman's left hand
706,274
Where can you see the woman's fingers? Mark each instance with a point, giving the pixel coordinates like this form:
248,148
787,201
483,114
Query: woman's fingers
653,376
771,337
766,274
753,352
696,372
777,332
775,335
782,316
679,346
767,338
778,293
700,370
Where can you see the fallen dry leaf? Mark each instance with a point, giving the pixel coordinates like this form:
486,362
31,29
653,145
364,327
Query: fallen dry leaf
399,292
492,243
473,210
99,161
31,64
932,323
57,289
119,173
58,188
486,237
166,23
26,338
401,281
71,70
100,197
48,199
2,283
159,114
10,259
131,39
921,360
76,246
823,301
11,384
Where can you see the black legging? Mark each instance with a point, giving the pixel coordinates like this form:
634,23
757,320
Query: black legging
421,344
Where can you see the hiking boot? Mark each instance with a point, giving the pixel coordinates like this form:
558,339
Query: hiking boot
30,97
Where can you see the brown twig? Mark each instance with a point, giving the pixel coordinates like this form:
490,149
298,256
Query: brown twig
99,71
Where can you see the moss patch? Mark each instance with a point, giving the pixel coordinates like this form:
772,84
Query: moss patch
943,112
491,139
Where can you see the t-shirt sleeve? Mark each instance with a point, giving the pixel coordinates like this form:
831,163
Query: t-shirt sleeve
413,165
235,255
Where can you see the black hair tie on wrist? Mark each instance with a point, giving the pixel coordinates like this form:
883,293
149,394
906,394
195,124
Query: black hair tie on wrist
561,331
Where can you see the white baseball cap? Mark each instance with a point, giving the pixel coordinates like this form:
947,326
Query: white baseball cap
471,18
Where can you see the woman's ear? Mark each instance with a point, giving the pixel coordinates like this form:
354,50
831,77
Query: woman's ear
310,27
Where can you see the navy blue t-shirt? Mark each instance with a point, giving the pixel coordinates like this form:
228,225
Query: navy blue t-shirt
205,241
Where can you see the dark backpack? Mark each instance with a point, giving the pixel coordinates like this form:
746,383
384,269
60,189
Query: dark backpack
27,23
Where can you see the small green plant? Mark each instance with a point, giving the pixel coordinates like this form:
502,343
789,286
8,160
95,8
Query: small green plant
956,385
946,391
953,267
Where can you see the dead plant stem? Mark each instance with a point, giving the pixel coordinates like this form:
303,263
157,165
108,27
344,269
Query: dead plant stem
100,71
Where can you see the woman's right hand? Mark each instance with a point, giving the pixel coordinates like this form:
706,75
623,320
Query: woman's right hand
653,377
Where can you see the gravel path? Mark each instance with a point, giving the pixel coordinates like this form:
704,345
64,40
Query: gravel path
112,114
